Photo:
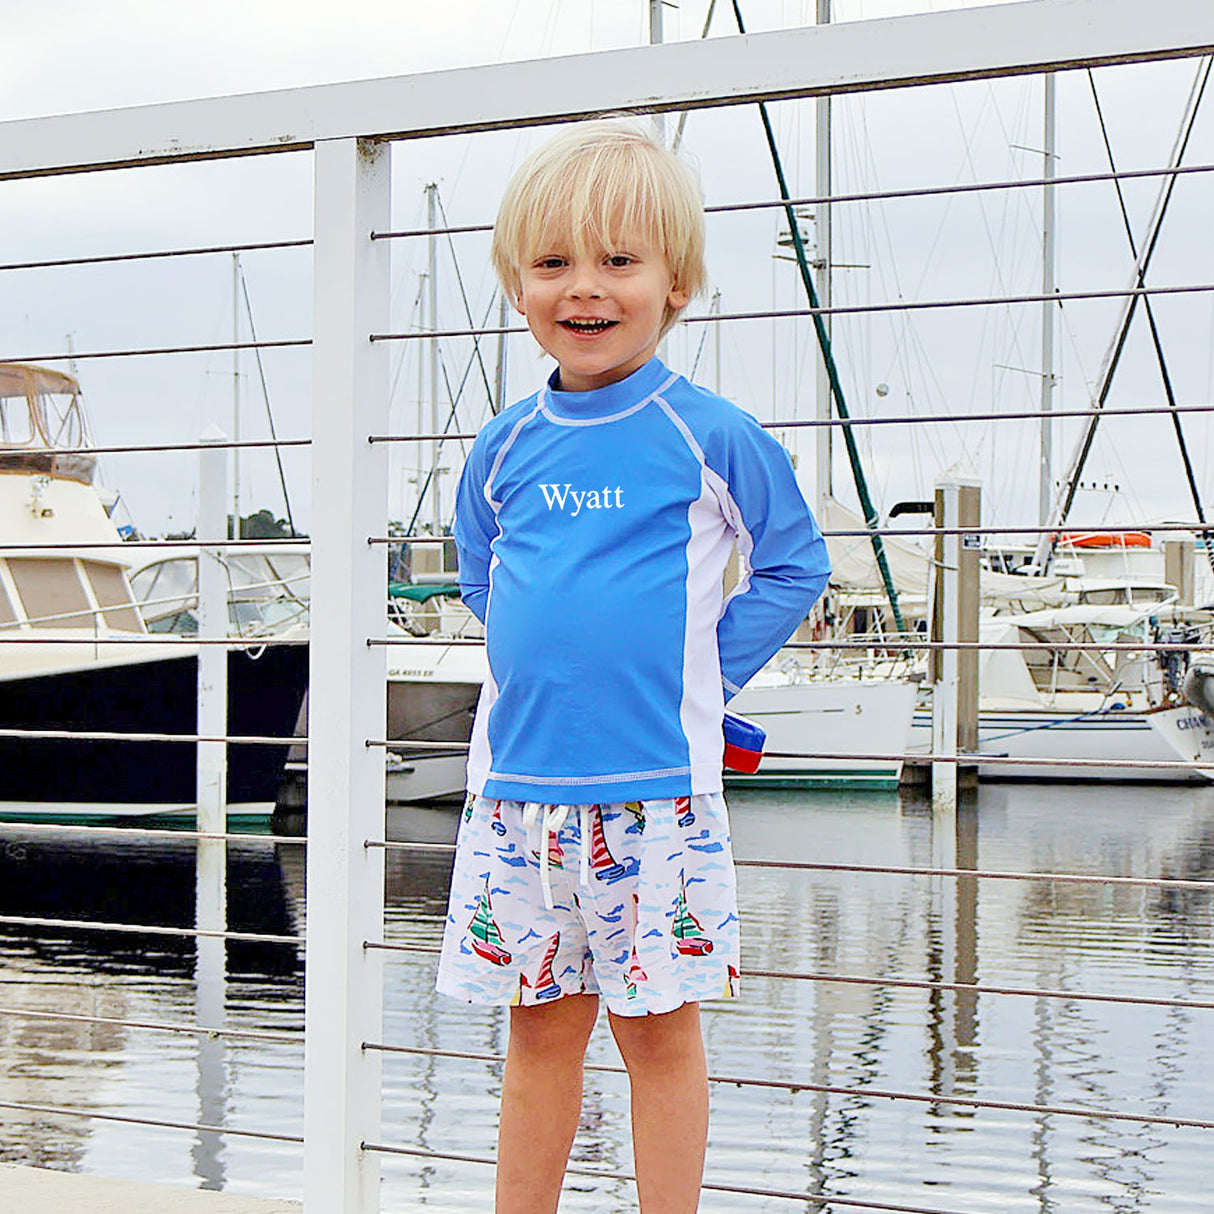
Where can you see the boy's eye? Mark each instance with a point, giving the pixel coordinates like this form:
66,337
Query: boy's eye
550,263
619,260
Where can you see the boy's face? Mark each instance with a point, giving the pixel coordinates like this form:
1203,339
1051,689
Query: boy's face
599,313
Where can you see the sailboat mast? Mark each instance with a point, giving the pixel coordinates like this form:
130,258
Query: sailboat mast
1049,204
432,321
823,438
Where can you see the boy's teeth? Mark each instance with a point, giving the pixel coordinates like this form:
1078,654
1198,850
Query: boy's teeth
588,326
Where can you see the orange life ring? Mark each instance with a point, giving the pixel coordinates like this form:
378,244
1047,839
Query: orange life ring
1106,539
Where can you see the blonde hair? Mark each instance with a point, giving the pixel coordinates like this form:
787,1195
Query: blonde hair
590,184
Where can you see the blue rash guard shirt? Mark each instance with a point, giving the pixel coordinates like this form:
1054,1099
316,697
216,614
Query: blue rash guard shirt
593,531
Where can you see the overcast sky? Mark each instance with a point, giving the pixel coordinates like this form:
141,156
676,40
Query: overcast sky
59,56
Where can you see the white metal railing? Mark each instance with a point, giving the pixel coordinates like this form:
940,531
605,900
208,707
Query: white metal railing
349,129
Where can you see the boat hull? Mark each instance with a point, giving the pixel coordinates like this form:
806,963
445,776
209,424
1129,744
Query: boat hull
848,729
1161,735
74,780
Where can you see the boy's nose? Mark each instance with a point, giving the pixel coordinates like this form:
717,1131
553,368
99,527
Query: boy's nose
584,283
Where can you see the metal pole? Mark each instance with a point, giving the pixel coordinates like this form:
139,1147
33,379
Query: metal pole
345,887
499,377
822,229
655,39
969,514
234,531
1045,493
715,310
210,872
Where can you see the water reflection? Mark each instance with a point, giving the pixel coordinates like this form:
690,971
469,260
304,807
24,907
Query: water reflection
1031,1050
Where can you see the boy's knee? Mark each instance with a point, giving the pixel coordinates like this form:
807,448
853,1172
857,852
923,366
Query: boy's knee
668,1039
554,1028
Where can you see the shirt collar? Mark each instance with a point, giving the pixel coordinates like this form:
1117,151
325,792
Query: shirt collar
614,398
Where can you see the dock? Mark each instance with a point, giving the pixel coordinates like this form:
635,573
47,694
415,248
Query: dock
24,1189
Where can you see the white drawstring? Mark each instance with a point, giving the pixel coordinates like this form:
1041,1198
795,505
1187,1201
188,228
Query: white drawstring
551,823
584,844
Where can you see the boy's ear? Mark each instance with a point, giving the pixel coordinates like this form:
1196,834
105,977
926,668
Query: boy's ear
518,303
678,297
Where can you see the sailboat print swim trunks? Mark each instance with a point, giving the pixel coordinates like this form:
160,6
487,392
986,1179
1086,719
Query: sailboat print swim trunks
634,901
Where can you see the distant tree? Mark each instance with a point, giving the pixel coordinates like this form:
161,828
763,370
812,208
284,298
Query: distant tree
262,525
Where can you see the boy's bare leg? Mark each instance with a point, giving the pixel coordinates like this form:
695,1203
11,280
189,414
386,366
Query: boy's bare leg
541,1100
669,1079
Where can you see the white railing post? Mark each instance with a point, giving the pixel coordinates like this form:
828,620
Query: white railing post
211,889
212,612
345,878
945,632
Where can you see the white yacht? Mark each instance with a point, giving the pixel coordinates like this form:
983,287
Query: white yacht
75,654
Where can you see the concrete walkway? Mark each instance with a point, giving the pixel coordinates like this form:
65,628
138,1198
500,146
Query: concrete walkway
41,1191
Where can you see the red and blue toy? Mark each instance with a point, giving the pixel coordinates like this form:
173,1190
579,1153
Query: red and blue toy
743,744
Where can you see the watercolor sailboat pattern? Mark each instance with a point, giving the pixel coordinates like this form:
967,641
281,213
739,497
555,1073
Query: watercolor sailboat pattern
643,908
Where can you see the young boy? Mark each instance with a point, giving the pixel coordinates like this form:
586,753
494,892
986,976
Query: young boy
594,522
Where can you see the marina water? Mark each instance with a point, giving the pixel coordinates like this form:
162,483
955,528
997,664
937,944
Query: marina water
1039,1050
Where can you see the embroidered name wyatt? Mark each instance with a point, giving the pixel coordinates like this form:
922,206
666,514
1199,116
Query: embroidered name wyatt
589,499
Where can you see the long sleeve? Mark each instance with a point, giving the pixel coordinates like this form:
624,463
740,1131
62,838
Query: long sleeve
475,529
784,559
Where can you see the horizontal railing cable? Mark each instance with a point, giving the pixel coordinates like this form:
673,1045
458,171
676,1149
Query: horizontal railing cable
819,1199
156,254
911,192
120,545
915,305
143,351
795,423
1065,545
108,735
155,640
820,866
96,1115
187,1030
901,643
972,988
923,984
134,929
162,448
906,305
91,830
793,1086
983,988
982,874
962,759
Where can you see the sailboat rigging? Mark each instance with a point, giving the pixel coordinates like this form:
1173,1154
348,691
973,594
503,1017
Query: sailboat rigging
871,519
1070,483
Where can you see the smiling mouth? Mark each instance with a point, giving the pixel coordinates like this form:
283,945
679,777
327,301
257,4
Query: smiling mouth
588,326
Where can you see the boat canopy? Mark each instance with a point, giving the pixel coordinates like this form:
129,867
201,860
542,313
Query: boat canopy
42,424
424,592
853,567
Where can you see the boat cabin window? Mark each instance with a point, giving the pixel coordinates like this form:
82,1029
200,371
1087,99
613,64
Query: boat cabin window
1113,596
51,592
1146,595
64,421
113,595
16,424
